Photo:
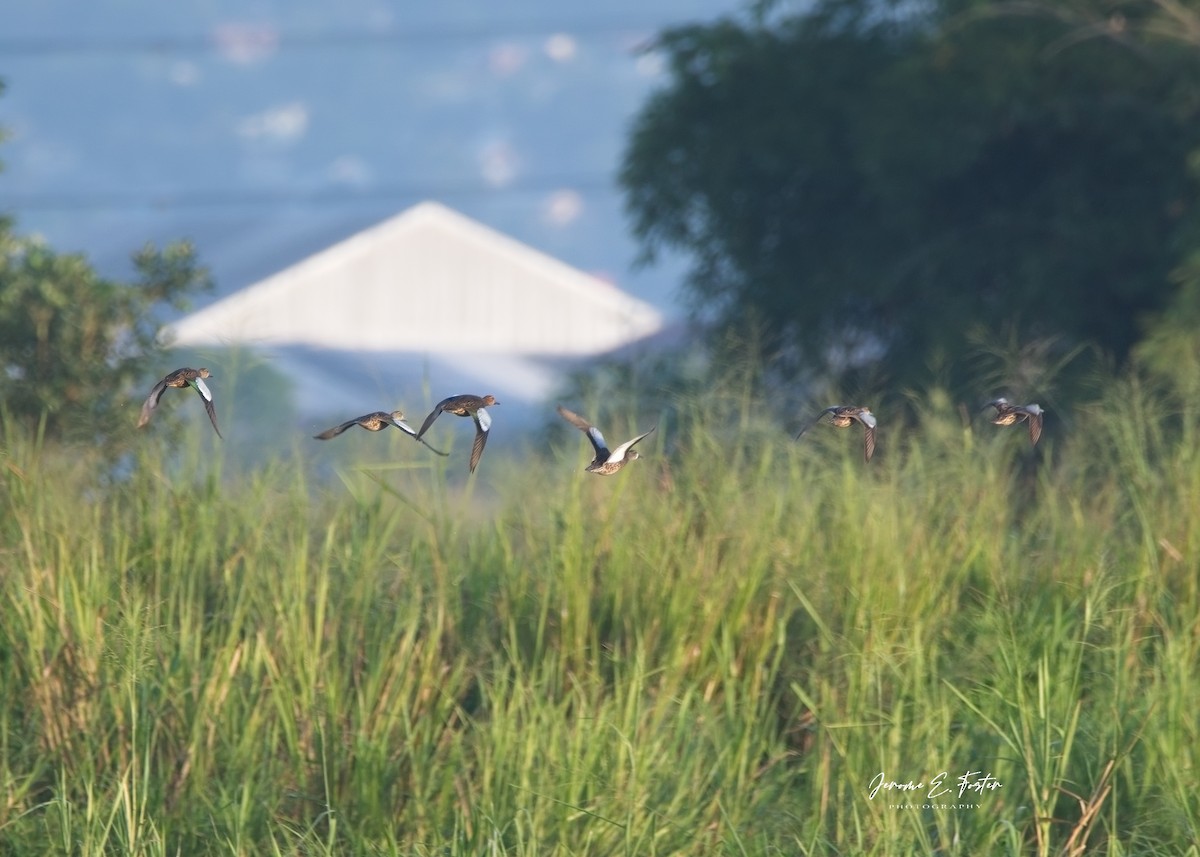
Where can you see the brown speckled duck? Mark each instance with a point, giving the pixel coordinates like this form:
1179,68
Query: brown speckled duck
377,421
179,379
843,416
605,463
1009,415
474,407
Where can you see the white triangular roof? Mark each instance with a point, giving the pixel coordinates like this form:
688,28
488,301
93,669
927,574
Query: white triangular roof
428,280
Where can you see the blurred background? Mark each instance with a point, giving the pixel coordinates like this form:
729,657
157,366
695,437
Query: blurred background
878,202
264,132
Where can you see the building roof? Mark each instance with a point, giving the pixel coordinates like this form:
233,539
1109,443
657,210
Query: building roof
428,281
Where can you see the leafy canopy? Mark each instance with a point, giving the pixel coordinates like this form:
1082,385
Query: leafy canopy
72,343
870,186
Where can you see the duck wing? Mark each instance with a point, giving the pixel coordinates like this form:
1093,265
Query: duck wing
431,447
868,422
433,415
411,432
483,423
206,395
814,421
618,454
1035,426
152,401
593,433
336,430
400,424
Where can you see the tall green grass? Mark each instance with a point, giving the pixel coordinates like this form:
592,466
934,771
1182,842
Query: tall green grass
714,652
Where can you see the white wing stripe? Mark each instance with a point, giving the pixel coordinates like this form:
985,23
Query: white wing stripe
597,439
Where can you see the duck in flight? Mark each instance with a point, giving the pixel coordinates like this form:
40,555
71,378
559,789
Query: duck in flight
474,407
1009,415
606,462
179,379
377,421
843,416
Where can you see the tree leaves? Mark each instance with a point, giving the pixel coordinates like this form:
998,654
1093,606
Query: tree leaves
858,172
73,344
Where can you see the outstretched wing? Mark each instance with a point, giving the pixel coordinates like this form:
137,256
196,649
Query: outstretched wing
1035,426
430,447
402,425
593,433
814,421
483,422
618,454
151,402
411,432
433,415
336,430
868,420
206,395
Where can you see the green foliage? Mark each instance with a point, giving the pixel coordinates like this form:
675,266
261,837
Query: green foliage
714,652
868,184
73,344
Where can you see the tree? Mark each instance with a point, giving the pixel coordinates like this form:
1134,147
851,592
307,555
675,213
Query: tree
73,344
873,187
1170,348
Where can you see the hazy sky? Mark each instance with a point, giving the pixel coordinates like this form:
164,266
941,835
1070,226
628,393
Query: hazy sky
265,131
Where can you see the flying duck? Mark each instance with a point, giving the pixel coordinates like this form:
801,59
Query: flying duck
377,421
179,379
605,463
1009,415
843,416
474,407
